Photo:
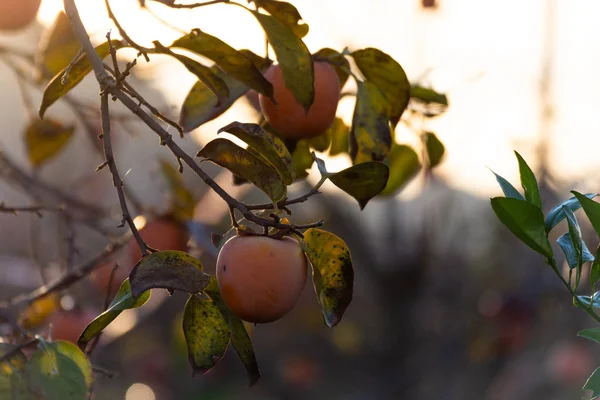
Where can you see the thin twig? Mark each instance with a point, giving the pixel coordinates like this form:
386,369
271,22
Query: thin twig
117,182
142,50
171,4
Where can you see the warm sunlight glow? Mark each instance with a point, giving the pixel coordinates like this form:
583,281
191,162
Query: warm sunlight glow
139,221
139,391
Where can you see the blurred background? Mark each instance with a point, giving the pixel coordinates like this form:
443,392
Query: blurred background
447,304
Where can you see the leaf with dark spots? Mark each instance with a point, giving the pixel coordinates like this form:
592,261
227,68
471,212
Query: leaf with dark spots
293,56
245,165
200,104
333,273
388,75
169,269
231,61
362,181
337,61
267,145
286,13
206,334
239,336
123,301
58,86
370,135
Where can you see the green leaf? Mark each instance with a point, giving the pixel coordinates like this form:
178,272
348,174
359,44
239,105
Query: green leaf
593,384
231,61
435,149
213,82
591,209
333,274
338,132
525,221
362,181
245,165
529,183
576,243
206,334
586,301
57,47
320,142
293,56
171,269
428,95
182,200
123,301
13,381
370,135
592,334
595,269
286,13
384,72
337,61
302,159
508,189
557,214
60,371
403,164
239,336
58,87
566,244
267,145
200,104
45,139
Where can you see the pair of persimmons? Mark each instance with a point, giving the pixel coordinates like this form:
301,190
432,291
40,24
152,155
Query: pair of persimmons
261,278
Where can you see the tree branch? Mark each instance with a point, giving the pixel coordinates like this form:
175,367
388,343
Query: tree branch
171,4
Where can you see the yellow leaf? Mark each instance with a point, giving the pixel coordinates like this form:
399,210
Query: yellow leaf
45,139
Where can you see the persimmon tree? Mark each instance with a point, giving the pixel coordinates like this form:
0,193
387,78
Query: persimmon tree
271,161
522,214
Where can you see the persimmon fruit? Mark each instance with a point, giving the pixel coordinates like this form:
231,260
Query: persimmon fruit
17,14
288,117
261,278
160,234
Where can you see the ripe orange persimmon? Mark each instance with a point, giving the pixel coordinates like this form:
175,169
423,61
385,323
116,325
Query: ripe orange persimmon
160,234
288,117
17,14
261,278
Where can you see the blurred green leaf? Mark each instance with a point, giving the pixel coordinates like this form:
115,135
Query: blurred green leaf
286,13
337,61
267,145
321,142
57,47
508,189
595,269
339,132
557,214
435,149
362,181
245,165
182,200
207,76
576,243
333,274
58,87
200,104
302,159
206,334
592,334
388,75
13,380
529,183
45,139
239,336
231,61
593,384
60,371
171,269
586,301
591,209
403,164
428,95
525,221
370,135
566,244
293,56
123,301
